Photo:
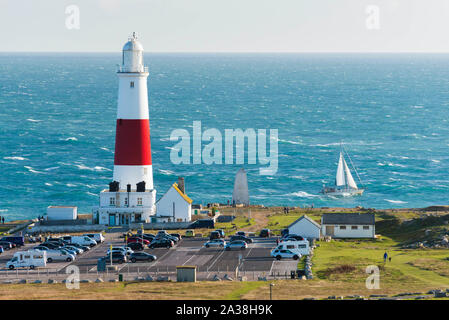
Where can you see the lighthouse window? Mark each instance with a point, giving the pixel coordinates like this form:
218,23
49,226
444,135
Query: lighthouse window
112,201
139,201
131,84
126,201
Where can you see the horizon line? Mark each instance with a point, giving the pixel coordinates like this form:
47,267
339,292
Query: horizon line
247,52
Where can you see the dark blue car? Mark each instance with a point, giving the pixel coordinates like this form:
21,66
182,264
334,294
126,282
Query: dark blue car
18,241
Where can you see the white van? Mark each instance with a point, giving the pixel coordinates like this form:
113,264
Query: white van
59,255
28,259
300,247
83,241
96,236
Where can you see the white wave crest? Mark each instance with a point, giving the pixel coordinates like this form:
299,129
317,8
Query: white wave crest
15,158
303,194
395,201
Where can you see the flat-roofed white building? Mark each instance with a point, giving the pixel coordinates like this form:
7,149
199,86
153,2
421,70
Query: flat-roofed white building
62,213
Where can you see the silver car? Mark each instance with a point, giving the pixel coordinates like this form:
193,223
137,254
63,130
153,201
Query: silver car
215,243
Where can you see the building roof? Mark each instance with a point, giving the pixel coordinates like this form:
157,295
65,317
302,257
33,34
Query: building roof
348,218
306,218
182,194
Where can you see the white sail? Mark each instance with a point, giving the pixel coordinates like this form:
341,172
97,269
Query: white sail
340,179
349,177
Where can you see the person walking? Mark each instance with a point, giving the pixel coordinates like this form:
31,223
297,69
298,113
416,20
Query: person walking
385,257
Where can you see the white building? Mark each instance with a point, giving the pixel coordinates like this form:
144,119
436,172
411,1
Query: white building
305,227
348,225
131,196
175,205
62,213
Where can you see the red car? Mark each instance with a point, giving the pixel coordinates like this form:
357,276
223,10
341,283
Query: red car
139,240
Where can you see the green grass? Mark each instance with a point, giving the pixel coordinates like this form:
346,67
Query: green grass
403,270
238,223
246,287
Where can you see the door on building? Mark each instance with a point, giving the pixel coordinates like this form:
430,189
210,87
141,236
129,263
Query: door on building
112,219
330,231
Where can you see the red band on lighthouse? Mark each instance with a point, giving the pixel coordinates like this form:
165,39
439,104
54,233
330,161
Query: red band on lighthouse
132,142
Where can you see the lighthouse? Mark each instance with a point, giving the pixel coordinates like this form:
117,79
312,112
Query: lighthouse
131,196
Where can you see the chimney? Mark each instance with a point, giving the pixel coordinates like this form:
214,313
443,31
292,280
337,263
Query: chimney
181,185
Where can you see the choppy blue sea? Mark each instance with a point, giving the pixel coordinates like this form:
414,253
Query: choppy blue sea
57,120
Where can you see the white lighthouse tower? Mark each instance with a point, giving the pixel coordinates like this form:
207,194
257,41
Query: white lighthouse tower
130,197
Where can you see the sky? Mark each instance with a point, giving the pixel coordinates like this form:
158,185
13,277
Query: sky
225,25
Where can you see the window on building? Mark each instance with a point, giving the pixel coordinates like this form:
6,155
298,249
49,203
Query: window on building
131,85
354,227
126,201
112,201
365,227
342,227
139,201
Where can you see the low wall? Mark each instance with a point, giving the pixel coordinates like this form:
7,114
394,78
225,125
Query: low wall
63,222
161,225
68,228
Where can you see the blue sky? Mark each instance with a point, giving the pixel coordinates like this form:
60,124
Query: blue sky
227,25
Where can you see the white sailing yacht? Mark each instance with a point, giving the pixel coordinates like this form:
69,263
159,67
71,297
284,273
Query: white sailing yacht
344,182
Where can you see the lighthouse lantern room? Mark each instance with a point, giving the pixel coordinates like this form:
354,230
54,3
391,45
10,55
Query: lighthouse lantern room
131,196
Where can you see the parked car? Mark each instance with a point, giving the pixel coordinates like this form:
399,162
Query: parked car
189,233
76,249
147,236
161,243
214,235
135,246
141,256
221,232
1,250
124,250
240,237
215,243
285,253
236,244
240,233
116,256
58,241
6,245
83,241
265,233
98,237
293,237
59,255
18,241
69,250
176,235
84,248
50,245
136,239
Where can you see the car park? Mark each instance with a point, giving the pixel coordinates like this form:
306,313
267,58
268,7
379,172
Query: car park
237,244
161,243
240,237
285,253
141,256
215,243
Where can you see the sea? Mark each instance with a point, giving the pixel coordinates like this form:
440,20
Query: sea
390,111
